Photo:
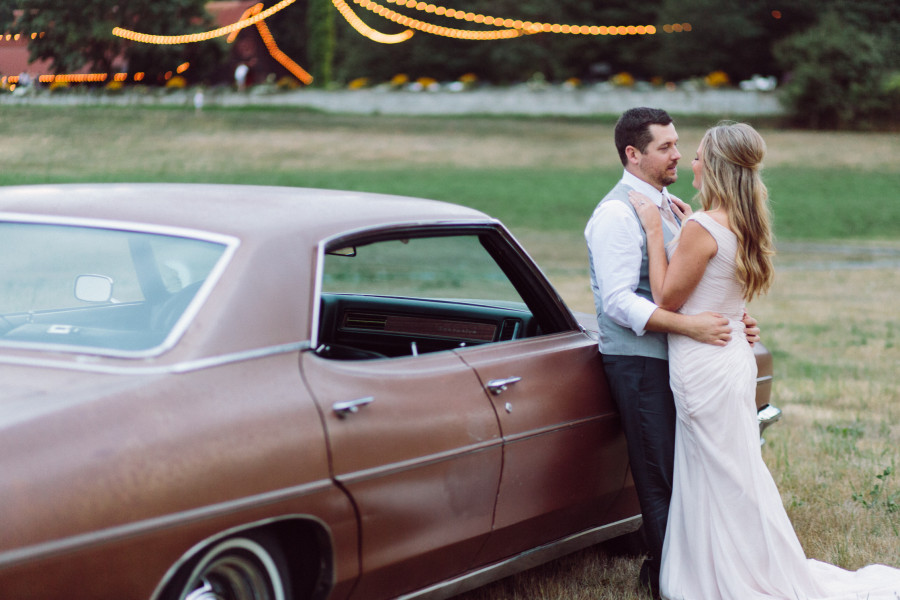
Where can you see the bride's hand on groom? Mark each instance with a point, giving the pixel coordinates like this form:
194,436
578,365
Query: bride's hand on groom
681,208
647,211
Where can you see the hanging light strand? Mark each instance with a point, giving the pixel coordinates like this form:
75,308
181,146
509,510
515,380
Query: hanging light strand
273,49
202,36
366,31
411,23
513,27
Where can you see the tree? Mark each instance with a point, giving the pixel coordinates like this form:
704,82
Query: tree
733,36
79,34
836,76
321,44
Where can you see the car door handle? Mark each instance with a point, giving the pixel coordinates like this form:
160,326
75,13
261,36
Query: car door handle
347,407
498,386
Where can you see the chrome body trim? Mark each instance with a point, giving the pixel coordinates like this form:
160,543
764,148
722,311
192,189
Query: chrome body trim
143,527
355,477
525,560
84,362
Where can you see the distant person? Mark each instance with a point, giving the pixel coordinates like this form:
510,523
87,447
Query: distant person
728,535
240,76
632,328
198,100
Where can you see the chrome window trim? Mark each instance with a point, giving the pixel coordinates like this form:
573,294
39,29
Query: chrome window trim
230,242
385,228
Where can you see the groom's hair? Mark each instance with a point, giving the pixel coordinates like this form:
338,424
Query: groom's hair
633,129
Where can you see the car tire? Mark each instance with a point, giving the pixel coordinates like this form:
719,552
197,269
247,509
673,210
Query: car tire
237,568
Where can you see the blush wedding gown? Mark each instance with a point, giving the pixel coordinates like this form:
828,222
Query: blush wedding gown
728,536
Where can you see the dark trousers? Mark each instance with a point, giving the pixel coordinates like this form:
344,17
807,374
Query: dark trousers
640,388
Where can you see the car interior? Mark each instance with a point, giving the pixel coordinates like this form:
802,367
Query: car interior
403,297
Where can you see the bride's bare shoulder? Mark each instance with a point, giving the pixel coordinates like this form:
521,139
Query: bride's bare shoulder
719,216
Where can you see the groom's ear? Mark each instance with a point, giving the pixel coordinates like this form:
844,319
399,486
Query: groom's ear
632,154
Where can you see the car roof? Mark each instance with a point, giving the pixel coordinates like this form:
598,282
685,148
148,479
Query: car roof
239,210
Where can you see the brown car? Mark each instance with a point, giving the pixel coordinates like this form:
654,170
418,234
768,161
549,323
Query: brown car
246,392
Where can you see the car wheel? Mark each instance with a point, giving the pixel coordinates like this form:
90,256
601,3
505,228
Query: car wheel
238,568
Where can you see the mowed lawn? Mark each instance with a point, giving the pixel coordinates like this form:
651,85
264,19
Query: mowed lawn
832,320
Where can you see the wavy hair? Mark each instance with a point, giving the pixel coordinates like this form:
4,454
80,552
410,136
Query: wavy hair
732,159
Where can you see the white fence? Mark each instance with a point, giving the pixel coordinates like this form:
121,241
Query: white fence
556,101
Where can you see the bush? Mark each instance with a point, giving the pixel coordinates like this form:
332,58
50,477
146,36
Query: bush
836,77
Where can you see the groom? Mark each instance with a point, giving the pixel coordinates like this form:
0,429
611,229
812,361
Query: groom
632,328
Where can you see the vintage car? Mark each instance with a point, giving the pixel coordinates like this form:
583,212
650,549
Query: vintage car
236,392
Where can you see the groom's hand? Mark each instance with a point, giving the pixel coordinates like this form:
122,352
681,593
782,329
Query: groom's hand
751,329
708,328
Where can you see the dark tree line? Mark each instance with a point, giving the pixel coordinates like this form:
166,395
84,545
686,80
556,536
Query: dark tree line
845,50
79,34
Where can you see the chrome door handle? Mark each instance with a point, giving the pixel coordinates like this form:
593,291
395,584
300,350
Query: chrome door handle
347,407
498,386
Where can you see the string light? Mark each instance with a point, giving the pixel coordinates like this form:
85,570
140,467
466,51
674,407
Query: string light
677,28
203,36
273,49
520,27
252,16
405,21
365,30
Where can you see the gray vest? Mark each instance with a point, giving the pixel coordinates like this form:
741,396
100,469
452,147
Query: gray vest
618,340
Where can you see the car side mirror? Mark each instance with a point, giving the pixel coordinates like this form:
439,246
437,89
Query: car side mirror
348,251
93,288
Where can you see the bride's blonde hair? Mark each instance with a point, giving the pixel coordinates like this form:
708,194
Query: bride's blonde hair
732,158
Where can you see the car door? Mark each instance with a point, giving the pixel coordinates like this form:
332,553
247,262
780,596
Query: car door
419,453
413,439
564,453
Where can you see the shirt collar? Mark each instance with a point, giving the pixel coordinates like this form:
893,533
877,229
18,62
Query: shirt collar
645,188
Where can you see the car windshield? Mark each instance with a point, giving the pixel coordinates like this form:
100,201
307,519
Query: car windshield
97,289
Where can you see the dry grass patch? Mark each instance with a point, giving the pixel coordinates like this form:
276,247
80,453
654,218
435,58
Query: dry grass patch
168,141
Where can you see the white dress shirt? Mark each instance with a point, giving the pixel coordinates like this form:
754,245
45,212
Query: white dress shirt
614,235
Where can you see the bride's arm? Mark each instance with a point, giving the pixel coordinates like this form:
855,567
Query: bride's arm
673,281
687,265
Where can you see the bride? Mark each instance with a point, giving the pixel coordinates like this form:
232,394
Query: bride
728,535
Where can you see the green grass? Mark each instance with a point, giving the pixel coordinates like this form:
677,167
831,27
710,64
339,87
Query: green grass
822,200
807,204
832,331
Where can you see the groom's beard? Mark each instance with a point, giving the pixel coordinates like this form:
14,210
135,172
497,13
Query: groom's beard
660,176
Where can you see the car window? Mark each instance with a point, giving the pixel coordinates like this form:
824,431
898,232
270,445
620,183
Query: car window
97,288
415,295
454,267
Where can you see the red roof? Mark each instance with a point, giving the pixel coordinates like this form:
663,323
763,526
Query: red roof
228,11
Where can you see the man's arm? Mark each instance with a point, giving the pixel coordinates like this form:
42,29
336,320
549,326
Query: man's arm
707,327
